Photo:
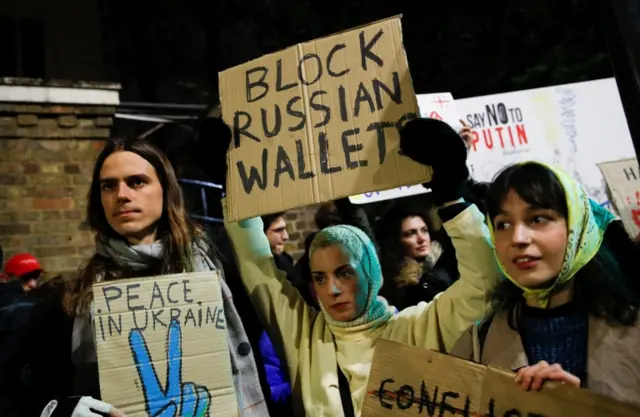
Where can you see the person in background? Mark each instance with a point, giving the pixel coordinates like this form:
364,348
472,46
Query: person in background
275,227
568,310
20,277
327,215
25,269
417,266
417,256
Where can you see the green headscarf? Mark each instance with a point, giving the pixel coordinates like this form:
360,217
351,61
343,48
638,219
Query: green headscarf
587,222
364,259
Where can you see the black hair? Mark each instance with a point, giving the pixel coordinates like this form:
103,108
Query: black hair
534,183
268,219
326,216
605,287
392,254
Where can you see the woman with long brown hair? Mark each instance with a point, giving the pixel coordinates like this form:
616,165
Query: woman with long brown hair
136,207
418,261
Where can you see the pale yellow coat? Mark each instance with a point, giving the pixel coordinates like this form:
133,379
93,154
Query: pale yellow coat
312,346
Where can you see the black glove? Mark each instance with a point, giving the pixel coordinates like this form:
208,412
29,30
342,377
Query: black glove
435,143
214,138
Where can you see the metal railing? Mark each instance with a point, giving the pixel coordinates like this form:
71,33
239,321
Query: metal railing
204,185
160,112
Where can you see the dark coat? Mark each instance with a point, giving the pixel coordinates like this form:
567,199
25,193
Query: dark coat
15,312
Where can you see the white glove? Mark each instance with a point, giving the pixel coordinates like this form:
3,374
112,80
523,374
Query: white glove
84,408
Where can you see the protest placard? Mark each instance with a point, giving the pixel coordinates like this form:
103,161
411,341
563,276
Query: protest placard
623,181
398,192
410,381
440,106
572,126
162,346
319,121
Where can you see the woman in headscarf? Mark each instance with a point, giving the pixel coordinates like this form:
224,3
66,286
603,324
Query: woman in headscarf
136,207
329,351
568,310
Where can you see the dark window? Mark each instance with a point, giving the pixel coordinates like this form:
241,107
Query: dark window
23,49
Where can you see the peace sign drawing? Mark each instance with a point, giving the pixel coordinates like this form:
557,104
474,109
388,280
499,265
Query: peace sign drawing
176,399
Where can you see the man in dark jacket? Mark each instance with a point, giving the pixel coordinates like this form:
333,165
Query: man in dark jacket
275,228
21,273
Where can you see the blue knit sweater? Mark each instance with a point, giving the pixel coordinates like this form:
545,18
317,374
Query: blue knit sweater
558,335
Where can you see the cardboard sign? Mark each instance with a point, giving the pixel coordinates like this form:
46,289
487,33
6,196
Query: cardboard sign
162,345
623,180
319,121
410,381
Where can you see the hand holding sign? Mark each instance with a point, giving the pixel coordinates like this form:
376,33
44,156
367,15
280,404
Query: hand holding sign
177,399
532,377
466,134
435,143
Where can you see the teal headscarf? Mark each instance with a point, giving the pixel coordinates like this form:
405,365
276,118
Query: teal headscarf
364,259
586,223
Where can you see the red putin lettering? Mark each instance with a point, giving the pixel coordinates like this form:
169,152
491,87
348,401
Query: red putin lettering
635,208
498,128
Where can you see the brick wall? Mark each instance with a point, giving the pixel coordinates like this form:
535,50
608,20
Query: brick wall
47,153
300,223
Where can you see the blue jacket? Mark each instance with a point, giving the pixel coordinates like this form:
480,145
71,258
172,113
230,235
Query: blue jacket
276,372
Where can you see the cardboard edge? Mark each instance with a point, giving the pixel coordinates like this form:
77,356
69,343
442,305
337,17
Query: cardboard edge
601,164
215,274
432,353
561,392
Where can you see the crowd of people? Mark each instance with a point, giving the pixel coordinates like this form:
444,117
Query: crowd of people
525,273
